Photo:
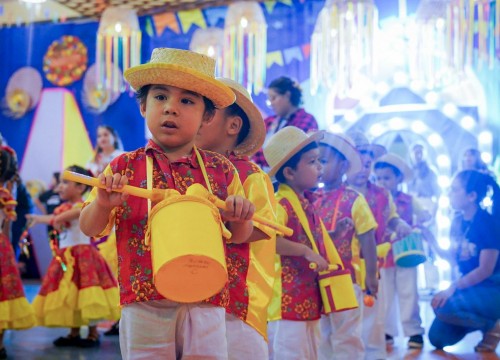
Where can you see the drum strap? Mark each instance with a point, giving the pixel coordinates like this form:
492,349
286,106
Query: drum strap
284,191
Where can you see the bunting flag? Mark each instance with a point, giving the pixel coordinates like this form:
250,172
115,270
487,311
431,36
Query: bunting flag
306,50
165,21
271,4
274,57
190,18
149,27
58,134
213,15
292,53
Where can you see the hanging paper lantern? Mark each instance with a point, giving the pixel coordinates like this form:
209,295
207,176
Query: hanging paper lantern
119,43
342,45
245,45
210,42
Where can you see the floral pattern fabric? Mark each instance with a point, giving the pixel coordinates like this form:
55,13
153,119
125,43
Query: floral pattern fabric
11,285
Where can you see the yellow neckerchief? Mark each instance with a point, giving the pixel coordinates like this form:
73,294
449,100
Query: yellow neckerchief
285,191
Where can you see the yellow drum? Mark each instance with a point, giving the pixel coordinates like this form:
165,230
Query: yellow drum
337,291
409,251
187,249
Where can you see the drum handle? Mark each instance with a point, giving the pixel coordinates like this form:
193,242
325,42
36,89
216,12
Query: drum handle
257,218
314,266
155,194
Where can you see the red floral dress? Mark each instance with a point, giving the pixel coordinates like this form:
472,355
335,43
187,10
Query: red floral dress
15,310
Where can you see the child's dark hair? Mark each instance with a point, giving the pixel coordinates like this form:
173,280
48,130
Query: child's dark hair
142,94
57,176
235,110
8,165
113,132
80,170
293,161
474,181
284,84
384,165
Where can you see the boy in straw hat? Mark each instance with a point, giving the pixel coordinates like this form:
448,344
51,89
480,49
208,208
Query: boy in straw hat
384,211
237,132
401,282
341,331
177,94
296,306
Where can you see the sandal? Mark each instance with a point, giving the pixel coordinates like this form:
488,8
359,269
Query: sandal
490,340
90,342
67,341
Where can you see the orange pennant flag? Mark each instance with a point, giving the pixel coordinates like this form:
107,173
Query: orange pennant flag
165,20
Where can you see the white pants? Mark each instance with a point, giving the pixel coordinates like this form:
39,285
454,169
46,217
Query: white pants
293,340
341,334
373,328
167,330
402,284
243,341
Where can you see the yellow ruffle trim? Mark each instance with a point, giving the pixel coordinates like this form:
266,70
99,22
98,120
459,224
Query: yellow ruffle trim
16,314
71,307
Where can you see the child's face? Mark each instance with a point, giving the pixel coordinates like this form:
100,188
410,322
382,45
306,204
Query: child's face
308,171
361,178
387,178
210,134
174,116
334,165
69,190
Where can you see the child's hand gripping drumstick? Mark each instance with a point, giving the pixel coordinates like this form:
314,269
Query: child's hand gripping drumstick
314,266
159,194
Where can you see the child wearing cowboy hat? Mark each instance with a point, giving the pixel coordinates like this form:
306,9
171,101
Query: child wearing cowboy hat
296,306
341,331
237,132
177,94
401,282
384,211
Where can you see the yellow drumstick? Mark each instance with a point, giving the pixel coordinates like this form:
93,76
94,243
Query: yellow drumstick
159,194
314,266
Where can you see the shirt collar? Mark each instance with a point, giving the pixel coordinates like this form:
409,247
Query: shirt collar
154,149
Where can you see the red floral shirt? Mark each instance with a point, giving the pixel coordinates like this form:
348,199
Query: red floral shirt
135,270
404,208
300,295
351,205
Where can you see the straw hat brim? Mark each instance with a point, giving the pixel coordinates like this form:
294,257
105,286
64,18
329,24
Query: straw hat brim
182,77
345,148
257,132
398,163
376,149
314,137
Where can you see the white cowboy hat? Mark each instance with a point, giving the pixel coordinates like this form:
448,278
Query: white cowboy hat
344,145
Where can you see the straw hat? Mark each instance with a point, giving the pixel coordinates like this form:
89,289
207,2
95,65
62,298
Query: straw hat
286,143
398,163
183,69
362,144
344,145
257,132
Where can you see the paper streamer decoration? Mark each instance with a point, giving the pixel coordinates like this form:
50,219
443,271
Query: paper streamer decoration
245,45
210,42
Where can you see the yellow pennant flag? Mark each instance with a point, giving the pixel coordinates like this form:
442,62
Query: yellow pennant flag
269,6
164,21
191,17
286,2
274,57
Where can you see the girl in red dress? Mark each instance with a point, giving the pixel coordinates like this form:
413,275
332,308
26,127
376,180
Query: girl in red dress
79,288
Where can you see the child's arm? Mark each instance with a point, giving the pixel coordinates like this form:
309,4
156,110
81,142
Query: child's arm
94,217
290,248
55,220
369,249
341,228
400,227
239,212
